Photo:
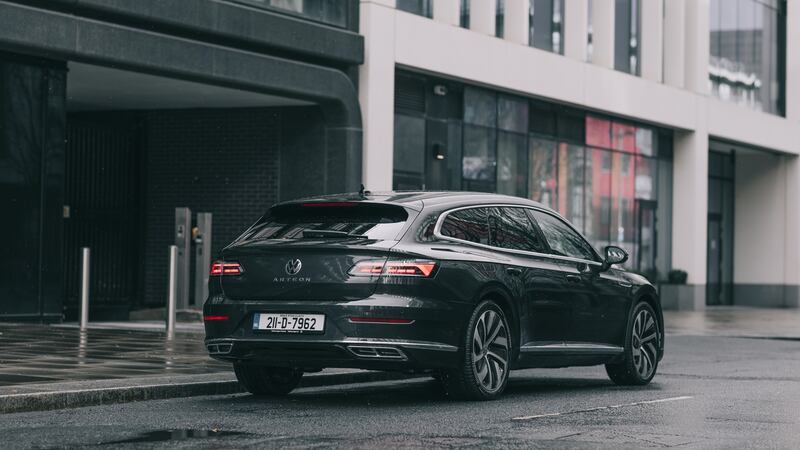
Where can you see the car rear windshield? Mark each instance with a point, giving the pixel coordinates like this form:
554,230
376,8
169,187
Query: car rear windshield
330,220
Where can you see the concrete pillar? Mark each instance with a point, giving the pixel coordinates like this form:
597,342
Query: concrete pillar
674,42
447,11
603,33
793,61
517,21
761,240
652,39
576,22
376,92
690,212
791,239
482,16
697,45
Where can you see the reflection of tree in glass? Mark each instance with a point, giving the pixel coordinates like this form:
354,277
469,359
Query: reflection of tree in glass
562,239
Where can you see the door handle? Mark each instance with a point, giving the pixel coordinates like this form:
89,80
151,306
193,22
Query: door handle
513,271
574,278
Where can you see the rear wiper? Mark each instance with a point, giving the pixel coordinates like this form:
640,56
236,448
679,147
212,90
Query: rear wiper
331,234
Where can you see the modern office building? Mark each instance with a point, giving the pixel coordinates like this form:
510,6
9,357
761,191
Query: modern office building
114,113
669,127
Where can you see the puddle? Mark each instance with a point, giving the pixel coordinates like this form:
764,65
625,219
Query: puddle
176,435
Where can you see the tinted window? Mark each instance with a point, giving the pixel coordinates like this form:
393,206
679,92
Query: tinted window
291,221
562,239
511,228
467,224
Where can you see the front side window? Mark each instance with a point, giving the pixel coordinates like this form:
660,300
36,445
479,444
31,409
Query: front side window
470,225
562,239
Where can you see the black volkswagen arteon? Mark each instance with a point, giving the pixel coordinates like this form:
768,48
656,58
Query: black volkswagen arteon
465,286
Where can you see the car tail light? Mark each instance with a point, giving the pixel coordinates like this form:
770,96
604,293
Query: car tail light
226,268
423,269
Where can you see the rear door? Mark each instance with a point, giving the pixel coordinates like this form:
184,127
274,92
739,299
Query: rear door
548,309
306,251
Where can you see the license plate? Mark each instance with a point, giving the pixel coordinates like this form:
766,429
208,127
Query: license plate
289,323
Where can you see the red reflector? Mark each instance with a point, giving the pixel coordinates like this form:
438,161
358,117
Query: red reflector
214,318
226,268
380,320
329,204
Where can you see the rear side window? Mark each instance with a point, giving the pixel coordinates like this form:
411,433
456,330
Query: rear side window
468,225
563,240
511,228
331,220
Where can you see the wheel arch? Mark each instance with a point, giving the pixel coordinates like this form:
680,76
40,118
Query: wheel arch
650,296
500,295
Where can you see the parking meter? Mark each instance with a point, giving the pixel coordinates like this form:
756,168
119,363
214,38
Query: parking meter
202,257
183,235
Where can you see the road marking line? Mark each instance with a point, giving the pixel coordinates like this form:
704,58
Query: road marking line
600,408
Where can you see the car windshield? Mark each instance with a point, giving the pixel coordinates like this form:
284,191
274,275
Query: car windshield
329,220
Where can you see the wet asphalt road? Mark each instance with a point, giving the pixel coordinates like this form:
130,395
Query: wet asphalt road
717,393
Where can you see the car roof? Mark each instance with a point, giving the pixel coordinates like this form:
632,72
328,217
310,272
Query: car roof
417,199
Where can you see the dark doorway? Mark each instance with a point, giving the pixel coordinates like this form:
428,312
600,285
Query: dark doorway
719,252
646,238
102,213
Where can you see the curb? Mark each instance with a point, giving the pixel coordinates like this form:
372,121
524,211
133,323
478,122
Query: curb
76,398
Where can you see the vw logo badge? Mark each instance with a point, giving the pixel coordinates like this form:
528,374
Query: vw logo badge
293,266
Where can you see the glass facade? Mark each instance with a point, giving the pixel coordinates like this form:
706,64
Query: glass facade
547,25
748,53
610,178
331,12
419,7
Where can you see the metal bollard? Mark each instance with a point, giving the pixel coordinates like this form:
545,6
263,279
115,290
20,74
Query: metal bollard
85,289
172,295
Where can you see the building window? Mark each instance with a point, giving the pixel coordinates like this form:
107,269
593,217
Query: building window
626,36
332,12
748,53
419,7
499,18
547,25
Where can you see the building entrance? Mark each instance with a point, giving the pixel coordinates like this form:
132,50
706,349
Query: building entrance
102,212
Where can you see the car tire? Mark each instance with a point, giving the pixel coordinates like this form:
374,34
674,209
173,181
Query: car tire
485,356
642,343
272,381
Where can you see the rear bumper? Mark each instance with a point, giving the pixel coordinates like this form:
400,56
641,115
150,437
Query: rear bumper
431,341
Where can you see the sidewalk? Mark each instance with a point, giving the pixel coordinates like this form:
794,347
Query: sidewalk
735,321
58,366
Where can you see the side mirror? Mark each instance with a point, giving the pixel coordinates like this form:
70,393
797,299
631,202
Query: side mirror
614,255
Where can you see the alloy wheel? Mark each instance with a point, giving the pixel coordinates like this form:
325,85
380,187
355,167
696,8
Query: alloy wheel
490,351
644,340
